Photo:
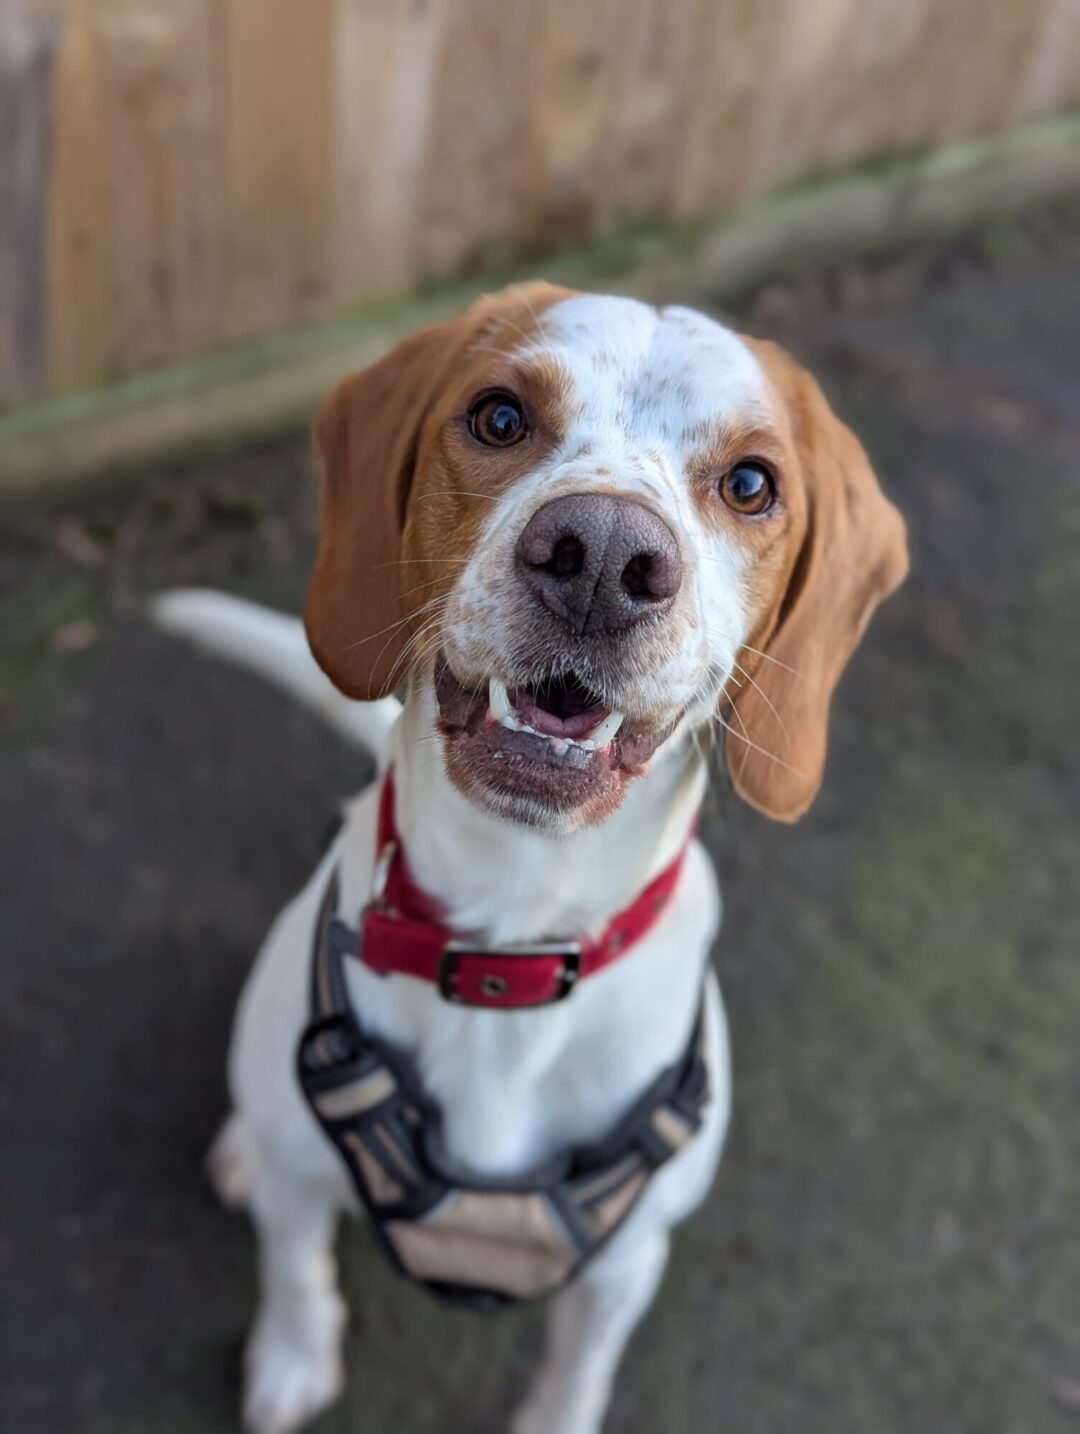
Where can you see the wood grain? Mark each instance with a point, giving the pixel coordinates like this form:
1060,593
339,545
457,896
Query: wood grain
176,174
277,142
26,61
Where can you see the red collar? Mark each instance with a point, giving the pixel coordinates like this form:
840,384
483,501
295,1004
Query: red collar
402,934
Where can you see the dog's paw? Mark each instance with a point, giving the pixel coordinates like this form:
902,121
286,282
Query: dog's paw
230,1163
286,1384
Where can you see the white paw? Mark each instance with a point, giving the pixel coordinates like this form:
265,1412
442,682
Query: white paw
286,1383
230,1163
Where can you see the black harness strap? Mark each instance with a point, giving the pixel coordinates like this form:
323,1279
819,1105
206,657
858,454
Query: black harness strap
484,1242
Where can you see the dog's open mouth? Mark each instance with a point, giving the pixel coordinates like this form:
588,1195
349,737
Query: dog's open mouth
553,741
561,709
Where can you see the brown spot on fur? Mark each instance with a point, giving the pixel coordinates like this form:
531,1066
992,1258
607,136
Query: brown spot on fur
837,548
406,488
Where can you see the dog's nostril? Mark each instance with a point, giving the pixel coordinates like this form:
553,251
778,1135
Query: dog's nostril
637,576
652,576
567,558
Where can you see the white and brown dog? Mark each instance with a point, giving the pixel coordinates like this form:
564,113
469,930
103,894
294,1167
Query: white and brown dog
579,534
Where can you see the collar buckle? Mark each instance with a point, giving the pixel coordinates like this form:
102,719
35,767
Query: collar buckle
495,986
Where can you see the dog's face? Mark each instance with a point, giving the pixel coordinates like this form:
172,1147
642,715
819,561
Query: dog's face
584,525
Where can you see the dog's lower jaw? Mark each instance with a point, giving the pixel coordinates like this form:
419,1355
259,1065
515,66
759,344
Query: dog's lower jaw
522,776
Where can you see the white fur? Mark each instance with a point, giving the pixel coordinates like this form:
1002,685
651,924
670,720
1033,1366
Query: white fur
644,384
515,1086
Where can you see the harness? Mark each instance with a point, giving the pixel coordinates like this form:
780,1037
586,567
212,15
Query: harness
481,1241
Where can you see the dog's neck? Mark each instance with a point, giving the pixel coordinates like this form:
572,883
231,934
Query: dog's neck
512,883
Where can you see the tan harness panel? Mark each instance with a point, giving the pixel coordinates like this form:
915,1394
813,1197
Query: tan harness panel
486,1242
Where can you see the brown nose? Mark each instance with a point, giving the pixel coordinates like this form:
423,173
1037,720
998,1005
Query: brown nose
600,563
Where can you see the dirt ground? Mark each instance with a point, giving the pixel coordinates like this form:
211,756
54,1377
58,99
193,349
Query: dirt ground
894,1241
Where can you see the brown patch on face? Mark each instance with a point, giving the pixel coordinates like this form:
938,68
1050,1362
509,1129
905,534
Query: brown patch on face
458,479
406,487
769,541
837,549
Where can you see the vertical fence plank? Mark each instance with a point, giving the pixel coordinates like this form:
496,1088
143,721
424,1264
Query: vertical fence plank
385,57
158,87
468,182
79,312
277,143
729,86
26,53
567,86
649,116
1051,79
808,69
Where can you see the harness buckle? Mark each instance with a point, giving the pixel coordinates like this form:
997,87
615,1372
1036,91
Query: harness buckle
565,980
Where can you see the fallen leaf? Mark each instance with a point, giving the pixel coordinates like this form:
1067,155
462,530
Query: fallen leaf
82,547
74,637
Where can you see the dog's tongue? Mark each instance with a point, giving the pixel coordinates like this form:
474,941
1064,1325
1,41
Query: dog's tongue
574,725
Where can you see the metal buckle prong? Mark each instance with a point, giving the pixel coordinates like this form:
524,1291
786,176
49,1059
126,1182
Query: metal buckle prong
381,874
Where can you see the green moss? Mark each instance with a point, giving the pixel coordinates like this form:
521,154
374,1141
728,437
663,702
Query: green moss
33,669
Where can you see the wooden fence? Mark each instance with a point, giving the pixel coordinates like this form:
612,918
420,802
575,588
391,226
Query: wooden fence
175,174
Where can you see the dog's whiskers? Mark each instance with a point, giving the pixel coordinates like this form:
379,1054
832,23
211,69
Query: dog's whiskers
766,698
412,617
428,630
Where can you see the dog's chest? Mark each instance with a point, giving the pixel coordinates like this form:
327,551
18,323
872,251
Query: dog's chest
516,1087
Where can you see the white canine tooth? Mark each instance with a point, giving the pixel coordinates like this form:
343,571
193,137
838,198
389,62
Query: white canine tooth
498,700
600,736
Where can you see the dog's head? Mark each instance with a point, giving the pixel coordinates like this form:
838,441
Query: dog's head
581,525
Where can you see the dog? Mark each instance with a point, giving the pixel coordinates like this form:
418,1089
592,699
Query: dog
586,539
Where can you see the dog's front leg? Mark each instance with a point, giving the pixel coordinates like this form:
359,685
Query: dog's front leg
293,1358
591,1321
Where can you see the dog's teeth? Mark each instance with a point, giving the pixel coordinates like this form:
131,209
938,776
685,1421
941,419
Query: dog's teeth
498,700
600,736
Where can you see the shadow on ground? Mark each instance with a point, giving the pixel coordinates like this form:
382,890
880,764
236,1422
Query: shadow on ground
894,1241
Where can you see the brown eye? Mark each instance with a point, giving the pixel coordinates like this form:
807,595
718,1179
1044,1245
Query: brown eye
497,421
748,488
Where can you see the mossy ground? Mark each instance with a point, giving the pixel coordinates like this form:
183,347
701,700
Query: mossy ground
894,1240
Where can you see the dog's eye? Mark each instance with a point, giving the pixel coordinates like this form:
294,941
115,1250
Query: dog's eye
497,420
748,488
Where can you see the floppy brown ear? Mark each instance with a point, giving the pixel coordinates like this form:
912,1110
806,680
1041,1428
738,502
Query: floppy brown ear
854,554
366,438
